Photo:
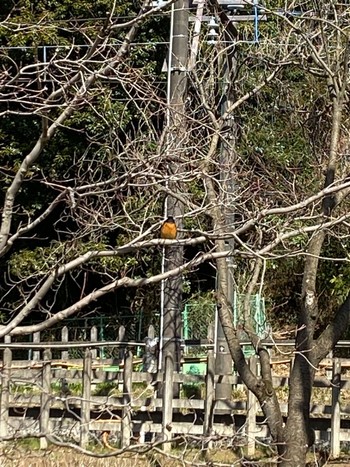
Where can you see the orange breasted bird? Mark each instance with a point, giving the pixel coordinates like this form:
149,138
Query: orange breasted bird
168,229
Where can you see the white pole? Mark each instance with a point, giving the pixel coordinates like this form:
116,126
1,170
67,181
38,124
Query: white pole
162,287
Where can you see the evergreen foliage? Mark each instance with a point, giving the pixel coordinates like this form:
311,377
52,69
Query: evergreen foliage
281,146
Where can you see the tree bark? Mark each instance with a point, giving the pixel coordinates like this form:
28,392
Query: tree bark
299,435
261,388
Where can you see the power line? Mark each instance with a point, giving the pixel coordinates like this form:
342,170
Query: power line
70,46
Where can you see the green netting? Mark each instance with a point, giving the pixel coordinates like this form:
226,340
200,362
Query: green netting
196,320
257,319
196,317
79,330
257,315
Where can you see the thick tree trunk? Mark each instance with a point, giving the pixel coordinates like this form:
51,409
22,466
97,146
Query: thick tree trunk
299,435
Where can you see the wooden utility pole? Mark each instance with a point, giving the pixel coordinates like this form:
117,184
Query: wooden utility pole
177,88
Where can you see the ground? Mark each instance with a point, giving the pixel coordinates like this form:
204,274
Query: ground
28,455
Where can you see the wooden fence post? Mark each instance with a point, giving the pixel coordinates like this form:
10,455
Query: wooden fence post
291,364
121,338
150,354
5,391
64,339
251,412
167,396
45,398
127,390
93,338
210,387
86,400
329,369
121,355
151,333
335,419
36,340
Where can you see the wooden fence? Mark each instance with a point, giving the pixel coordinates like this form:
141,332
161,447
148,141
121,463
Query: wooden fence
47,412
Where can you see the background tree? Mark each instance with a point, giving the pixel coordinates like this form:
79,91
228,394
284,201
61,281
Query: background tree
268,237
84,156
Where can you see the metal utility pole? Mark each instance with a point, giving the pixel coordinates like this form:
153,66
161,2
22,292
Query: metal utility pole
171,312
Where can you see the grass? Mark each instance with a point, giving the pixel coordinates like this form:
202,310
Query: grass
193,391
111,388
188,391
24,389
107,388
19,455
32,389
239,394
26,453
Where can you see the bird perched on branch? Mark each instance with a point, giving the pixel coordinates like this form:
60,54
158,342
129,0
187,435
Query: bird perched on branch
168,229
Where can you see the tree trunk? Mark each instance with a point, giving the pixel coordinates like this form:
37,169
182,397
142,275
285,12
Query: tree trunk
299,435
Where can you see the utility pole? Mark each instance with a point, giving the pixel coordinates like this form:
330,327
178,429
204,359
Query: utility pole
241,12
223,361
171,317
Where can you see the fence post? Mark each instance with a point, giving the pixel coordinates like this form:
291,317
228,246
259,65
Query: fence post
251,412
210,387
335,419
167,396
5,391
127,390
151,333
121,355
36,340
291,364
121,338
64,338
329,370
45,398
85,403
150,353
93,338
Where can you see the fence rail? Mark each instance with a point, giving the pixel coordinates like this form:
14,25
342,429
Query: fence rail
40,389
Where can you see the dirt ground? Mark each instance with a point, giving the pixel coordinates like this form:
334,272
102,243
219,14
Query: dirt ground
18,456
57,457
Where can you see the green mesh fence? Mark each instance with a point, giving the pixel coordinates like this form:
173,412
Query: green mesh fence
79,330
256,317
196,320
197,317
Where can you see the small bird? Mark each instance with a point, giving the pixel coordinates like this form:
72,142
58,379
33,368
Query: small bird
168,229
